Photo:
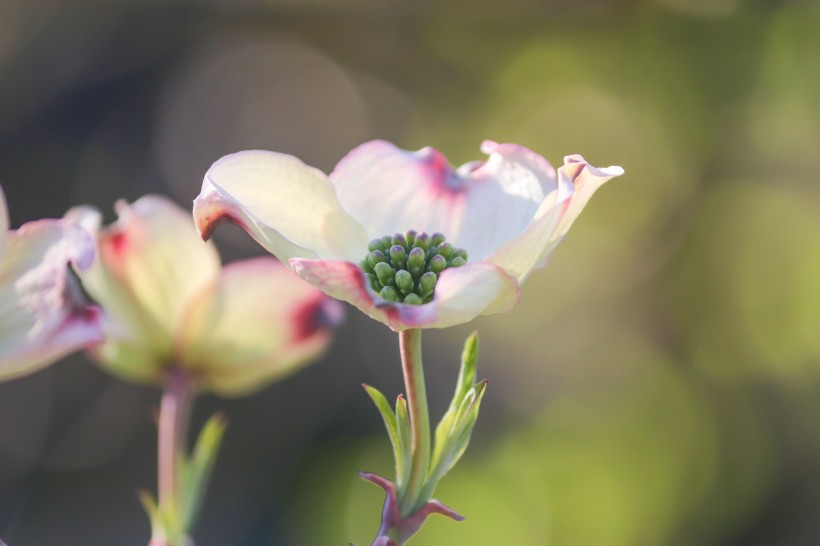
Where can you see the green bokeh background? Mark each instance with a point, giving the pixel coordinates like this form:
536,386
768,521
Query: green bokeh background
658,383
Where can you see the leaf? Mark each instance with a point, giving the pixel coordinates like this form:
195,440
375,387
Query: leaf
459,438
389,422
405,443
464,385
151,507
467,372
196,471
462,435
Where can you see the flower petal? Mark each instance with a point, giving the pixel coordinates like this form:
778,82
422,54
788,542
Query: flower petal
257,323
577,181
42,313
287,206
151,263
585,179
481,288
532,248
462,293
478,207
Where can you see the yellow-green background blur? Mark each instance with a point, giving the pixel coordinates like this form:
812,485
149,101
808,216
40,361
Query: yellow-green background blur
658,384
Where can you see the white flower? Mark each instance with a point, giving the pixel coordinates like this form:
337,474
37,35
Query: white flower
508,213
43,315
167,302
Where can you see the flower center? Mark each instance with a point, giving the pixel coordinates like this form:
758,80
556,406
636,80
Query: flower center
405,267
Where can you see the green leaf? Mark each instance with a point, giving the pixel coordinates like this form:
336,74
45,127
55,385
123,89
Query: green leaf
405,443
389,422
462,435
456,443
162,524
464,385
151,507
196,470
469,362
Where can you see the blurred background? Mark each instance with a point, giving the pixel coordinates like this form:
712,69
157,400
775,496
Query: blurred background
658,383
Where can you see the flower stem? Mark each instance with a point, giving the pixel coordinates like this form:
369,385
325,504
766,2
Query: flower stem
175,410
410,347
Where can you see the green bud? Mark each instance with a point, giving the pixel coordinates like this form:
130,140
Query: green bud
415,260
386,274
438,264
390,294
427,283
374,282
446,250
405,267
398,255
366,267
375,257
398,239
404,280
375,244
422,241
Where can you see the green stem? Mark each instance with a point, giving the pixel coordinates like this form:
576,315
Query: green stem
410,347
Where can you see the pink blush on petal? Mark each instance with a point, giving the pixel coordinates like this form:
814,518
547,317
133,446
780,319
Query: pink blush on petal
315,316
444,181
119,242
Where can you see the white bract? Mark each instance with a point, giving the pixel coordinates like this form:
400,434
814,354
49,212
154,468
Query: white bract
508,213
167,302
43,315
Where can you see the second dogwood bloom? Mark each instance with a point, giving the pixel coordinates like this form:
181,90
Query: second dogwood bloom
168,302
174,317
502,218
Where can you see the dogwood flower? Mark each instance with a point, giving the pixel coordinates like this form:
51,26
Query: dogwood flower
174,317
43,315
403,236
167,302
414,243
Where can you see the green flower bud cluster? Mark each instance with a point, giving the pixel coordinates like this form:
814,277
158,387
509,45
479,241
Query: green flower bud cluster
405,267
